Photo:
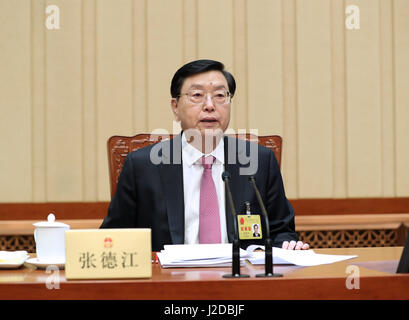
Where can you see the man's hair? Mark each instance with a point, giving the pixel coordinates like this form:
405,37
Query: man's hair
196,67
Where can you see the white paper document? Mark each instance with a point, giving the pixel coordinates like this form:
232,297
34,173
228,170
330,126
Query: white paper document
220,255
305,258
199,255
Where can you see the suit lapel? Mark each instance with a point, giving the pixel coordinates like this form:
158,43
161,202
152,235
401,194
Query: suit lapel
171,172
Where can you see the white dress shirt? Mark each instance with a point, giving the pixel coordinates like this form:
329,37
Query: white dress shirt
192,175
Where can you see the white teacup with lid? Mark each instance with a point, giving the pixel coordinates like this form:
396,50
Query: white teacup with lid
50,239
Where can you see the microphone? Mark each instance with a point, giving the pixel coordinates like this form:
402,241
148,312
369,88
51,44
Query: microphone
236,242
268,253
226,179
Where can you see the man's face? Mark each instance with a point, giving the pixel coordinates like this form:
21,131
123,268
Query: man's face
209,115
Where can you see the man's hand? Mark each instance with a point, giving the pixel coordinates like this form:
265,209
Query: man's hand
293,245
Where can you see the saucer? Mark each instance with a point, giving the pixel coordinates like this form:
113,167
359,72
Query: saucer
11,265
44,263
12,259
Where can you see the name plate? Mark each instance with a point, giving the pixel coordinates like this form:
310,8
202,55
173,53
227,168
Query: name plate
108,253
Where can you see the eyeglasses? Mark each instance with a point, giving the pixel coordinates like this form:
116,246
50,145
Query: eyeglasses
219,97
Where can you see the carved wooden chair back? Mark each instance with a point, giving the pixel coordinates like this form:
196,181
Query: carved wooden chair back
120,146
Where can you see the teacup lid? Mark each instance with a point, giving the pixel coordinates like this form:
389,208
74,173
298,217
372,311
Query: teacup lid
50,223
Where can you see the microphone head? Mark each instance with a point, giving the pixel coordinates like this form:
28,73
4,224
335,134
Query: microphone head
251,179
225,175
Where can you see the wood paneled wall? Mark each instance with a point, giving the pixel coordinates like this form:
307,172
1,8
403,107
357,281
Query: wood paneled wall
338,97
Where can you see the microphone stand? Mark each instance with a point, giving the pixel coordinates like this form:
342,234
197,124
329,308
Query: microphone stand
236,242
268,253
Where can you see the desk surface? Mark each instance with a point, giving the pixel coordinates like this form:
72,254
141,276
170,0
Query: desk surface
375,266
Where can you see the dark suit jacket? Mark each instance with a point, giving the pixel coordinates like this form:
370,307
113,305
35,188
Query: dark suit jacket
151,195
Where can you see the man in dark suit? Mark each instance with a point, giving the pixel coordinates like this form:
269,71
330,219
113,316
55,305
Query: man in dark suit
256,232
161,186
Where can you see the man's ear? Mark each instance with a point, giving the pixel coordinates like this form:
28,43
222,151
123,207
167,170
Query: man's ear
174,106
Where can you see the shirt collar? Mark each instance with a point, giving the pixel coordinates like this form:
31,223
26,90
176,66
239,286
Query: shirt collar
191,154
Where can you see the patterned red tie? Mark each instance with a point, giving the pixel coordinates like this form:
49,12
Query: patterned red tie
209,217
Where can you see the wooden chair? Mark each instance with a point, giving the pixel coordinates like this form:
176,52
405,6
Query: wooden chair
120,146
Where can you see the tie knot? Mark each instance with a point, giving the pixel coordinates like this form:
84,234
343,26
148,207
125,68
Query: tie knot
207,162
